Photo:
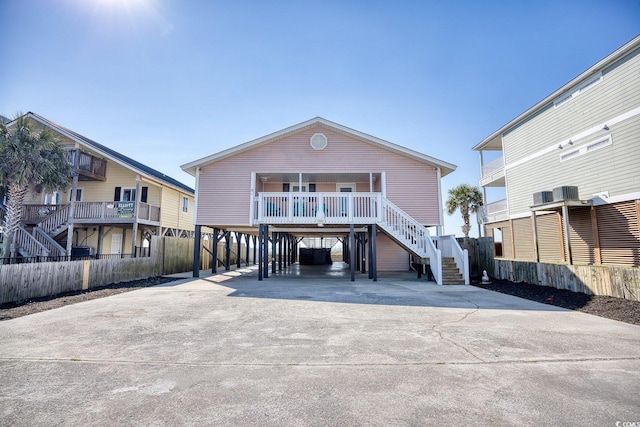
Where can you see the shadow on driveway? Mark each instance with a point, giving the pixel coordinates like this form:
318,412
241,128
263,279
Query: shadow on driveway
332,284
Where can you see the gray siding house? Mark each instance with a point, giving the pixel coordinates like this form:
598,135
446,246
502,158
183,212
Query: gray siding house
567,171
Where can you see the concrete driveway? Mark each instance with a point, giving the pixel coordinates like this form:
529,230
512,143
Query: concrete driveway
230,350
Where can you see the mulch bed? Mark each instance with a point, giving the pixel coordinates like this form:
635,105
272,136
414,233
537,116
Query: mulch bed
612,308
36,305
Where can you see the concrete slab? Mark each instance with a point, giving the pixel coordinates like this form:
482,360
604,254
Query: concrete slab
228,349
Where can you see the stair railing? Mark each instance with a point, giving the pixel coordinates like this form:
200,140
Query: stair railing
28,244
413,235
450,248
54,220
54,248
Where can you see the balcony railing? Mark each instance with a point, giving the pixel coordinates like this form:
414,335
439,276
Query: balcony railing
115,211
495,211
493,166
317,208
93,211
492,171
89,166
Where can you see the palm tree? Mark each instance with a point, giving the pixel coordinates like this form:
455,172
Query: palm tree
28,157
468,200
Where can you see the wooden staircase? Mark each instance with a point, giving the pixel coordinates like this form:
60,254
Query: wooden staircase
39,241
450,272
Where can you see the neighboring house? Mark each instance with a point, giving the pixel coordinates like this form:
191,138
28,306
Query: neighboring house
569,170
322,179
119,204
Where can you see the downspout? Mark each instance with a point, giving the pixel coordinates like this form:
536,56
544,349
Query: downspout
439,228
252,197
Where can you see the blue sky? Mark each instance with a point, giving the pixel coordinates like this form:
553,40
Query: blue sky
170,81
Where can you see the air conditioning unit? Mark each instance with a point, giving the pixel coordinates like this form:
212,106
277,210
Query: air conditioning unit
542,197
80,252
565,192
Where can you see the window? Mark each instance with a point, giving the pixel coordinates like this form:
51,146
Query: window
578,90
587,148
318,141
52,198
185,204
78,195
128,194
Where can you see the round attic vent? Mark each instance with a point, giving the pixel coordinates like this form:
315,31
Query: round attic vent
318,141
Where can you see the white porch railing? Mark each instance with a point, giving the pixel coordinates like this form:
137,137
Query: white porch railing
450,248
317,208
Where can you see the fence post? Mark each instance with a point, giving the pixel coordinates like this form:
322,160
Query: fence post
196,251
86,265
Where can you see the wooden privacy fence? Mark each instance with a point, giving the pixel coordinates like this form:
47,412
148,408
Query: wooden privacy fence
19,282
615,281
480,255
168,255
619,282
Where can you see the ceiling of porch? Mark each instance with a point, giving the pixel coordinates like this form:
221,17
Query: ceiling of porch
317,176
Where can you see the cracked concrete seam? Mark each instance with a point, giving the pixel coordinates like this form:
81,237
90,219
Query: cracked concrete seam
466,315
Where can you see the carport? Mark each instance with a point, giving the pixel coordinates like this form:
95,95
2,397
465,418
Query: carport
277,248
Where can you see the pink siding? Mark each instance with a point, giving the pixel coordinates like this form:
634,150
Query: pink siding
390,256
224,186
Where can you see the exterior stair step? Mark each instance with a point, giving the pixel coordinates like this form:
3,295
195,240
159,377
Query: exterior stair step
450,273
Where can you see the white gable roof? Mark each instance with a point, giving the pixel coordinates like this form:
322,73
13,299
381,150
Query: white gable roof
444,166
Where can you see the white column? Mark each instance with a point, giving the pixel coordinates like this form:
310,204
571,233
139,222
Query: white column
134,231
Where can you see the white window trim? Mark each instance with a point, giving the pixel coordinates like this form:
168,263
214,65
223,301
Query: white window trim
132,192
587,148
185,207
49,198
578,90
